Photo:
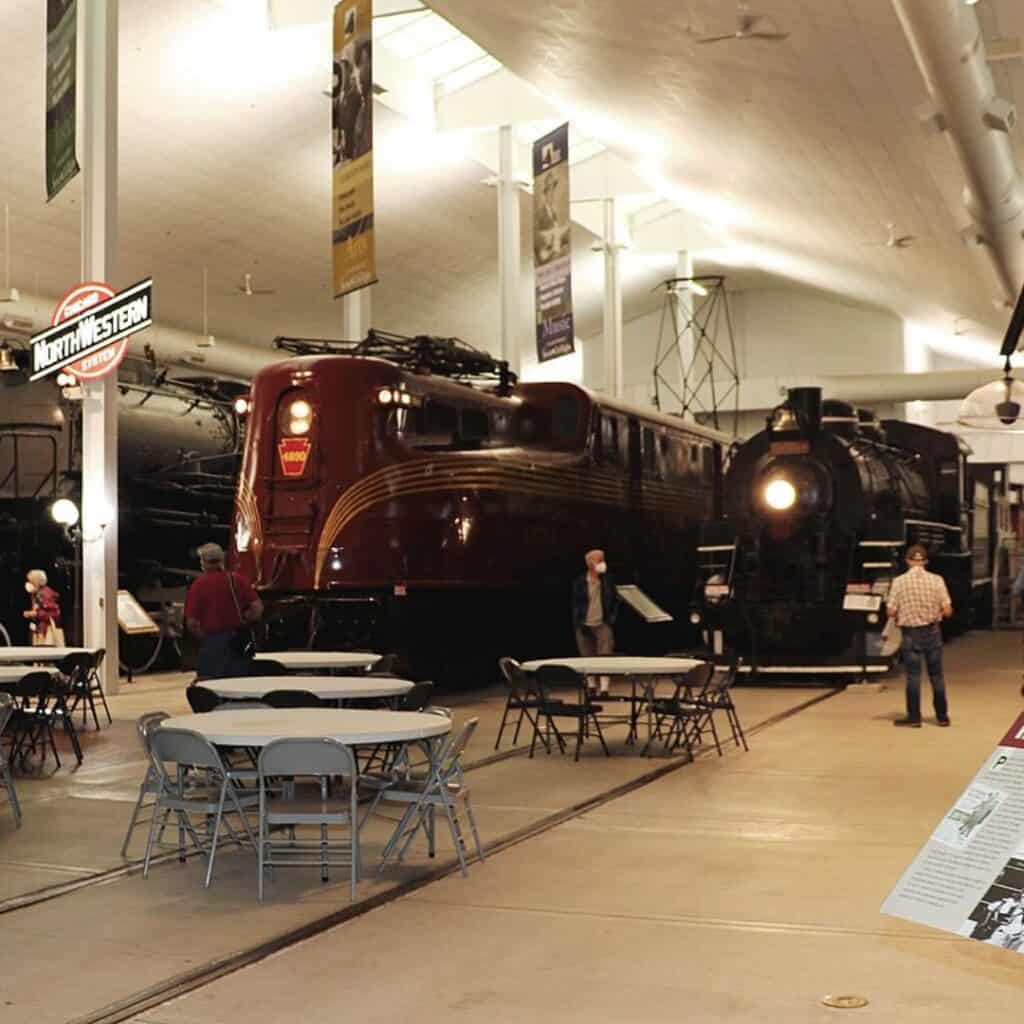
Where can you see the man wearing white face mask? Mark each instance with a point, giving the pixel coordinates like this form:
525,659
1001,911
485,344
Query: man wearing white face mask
595,604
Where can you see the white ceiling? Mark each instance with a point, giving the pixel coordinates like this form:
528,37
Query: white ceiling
813,143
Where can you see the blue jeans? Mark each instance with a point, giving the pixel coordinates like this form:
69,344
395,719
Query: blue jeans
218,661
927,641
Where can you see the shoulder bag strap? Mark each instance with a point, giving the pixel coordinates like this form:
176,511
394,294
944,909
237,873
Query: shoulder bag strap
234,597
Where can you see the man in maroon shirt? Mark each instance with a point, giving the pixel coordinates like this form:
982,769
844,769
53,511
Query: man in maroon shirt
218,603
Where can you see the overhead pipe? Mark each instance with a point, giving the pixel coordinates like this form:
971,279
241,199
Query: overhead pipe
947,44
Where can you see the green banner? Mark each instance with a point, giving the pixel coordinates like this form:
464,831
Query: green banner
61,164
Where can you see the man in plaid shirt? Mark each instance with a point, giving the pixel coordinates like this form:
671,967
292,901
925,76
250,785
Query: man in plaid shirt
918,600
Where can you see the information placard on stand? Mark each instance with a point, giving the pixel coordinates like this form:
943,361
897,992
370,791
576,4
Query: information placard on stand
969,876
642,604
132,617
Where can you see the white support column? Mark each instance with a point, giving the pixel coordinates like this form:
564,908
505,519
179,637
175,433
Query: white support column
612,304
98,83
685,341
356,314
509,251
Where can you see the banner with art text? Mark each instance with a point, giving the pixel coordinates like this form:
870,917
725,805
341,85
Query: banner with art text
61,45
552,245
355,257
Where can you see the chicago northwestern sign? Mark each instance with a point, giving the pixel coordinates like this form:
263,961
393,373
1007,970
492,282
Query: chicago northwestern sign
91,329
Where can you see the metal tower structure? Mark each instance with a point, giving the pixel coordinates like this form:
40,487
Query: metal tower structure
695,365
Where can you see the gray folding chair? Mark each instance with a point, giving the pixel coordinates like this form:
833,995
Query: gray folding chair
518,699
307,803
150,785
6,778
443,787
213,798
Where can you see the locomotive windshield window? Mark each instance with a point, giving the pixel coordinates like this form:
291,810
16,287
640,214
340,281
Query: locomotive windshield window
708,464
440,420
610,439
565,418
474,426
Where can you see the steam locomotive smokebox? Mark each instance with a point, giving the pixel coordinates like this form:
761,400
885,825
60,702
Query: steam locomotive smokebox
806,405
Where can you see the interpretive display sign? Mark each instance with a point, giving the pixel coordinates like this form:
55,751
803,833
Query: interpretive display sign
642,604
355,257
61,65
132,617
91,328
552,245
969,877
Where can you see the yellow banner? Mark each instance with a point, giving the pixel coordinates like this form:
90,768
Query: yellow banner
355,257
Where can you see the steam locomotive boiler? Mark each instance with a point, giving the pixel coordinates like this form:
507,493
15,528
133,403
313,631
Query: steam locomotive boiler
819,508
178,441
410,495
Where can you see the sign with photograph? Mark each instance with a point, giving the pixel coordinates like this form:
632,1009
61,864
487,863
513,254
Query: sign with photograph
91,329
355,257
969,877
552,245
61,51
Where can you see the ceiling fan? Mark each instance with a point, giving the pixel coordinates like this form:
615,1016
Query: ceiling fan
746,28
894,241
246,288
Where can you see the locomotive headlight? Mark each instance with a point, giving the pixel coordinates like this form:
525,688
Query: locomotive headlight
299,426
241,405
384,396
300,410
780,494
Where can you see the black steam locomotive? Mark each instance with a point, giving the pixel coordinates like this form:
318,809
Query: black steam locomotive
178,445
819,508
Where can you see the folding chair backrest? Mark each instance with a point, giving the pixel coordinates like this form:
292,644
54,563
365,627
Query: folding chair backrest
724,677
560,677
267,667
509,667
201,699
697,681
455,746
35,684
240,705
6,710
147,723
417,698
307,757
76,666
97,658
184,746
385,665
291,699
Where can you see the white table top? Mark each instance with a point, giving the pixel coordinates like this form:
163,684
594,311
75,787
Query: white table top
258,726
21,655
320,659
619,665
13,673
325,687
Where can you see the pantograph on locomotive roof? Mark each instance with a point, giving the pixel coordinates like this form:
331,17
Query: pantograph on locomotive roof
446,357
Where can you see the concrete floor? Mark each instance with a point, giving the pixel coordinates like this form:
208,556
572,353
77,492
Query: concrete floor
737,889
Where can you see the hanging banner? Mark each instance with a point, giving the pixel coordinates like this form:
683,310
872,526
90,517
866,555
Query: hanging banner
969,876
355,257
61,164
552,245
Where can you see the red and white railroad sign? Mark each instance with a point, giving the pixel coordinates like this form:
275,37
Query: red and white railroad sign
92,326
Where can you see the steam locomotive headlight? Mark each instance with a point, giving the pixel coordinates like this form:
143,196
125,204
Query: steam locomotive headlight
780,494
695,618
241,405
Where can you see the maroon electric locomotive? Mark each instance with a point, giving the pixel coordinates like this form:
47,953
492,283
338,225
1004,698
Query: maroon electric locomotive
410,495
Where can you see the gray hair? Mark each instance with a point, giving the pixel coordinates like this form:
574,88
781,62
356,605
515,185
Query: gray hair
211,554
37,577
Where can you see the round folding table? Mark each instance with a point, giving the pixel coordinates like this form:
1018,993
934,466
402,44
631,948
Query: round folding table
40,655
297,661
645,671
337,688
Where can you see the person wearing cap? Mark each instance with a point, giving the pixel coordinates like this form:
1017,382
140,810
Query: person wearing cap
918,601
218,604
